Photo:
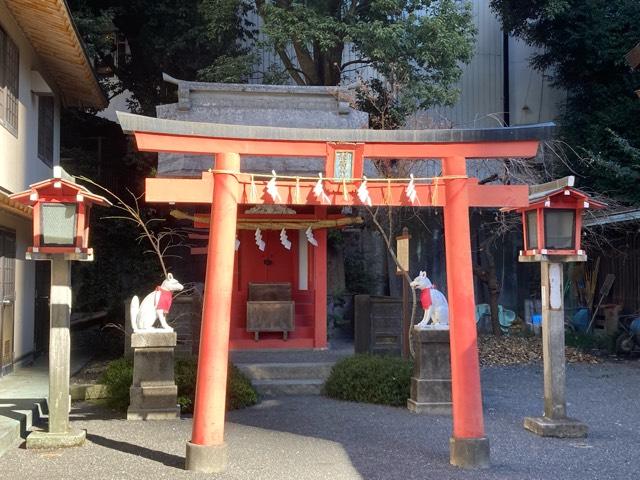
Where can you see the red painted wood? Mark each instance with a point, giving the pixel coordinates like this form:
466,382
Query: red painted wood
210,397
180,190
159,142
320,282
465,371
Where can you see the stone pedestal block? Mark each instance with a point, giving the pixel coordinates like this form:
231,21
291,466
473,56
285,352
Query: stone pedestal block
154,394
431,380
556,427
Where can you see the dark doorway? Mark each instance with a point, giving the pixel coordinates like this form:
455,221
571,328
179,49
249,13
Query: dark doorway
8,299
43,289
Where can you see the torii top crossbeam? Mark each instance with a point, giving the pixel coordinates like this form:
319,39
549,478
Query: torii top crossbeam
161,135
225,188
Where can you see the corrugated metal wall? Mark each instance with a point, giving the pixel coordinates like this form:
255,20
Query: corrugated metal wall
481,102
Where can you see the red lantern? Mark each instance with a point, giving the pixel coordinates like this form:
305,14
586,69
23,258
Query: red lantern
552,223
61,211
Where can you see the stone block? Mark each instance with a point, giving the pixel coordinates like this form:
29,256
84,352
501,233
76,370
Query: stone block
153,339
469,453
46,440
431,380
154,394
206,458
556,427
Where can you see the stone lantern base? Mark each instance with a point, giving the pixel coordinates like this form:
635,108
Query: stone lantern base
154,394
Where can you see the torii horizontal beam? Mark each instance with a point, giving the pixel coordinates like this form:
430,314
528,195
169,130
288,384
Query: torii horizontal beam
162,135
199,191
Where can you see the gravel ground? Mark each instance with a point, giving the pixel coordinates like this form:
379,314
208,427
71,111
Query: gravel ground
319,438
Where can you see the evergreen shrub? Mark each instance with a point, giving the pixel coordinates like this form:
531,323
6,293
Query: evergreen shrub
119,376
370,379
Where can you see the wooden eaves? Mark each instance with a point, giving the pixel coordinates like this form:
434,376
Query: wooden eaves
52,33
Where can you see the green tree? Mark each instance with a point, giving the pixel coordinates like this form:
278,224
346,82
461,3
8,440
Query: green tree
581,45
416,46
187,39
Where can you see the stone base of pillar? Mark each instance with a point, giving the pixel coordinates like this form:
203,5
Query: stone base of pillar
469,452
431,380
206,458
46,440
429,408
556,427
154,394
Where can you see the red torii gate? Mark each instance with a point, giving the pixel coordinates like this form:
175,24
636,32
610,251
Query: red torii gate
226,187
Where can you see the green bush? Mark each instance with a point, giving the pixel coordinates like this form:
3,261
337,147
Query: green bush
370,379
119,376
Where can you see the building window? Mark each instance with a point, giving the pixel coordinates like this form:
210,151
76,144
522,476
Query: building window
45,129
9,67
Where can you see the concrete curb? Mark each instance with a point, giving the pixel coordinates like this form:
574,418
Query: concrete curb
15,422
88,391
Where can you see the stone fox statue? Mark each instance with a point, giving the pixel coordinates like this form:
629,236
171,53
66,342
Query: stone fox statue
434,303
155,306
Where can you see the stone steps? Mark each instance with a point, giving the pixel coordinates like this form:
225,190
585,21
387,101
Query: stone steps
276,388
286,378
16,419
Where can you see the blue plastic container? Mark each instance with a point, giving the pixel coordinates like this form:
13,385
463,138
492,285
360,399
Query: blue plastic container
536,319
581,319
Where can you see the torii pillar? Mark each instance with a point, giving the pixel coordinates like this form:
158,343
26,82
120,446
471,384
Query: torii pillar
206,452
468,446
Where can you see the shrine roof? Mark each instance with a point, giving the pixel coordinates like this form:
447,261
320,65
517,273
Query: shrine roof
132,123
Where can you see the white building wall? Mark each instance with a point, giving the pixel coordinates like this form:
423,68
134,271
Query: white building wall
20,167
19,162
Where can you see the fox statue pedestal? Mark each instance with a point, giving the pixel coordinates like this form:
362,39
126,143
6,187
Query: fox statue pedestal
154,394
431,380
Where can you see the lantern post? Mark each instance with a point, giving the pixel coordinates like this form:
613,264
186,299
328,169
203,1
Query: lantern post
552,228
60,235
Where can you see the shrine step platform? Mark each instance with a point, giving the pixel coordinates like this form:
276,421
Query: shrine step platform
275,379
291,372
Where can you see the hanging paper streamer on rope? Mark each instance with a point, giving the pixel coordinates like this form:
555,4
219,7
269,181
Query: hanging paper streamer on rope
237,244
286,243
259,242
363,193
310,238
411,192
318,191
272,188
253,192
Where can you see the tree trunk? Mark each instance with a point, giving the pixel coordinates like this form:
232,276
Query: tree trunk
487,274
494,291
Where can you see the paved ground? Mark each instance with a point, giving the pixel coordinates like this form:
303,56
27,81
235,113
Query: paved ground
317,438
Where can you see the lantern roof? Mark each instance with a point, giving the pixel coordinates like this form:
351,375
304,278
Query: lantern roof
61,185
541,194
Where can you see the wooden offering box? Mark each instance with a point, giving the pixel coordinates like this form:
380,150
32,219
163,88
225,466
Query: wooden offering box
270,309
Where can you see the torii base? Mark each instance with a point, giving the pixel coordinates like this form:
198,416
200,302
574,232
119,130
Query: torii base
206,458
469,453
